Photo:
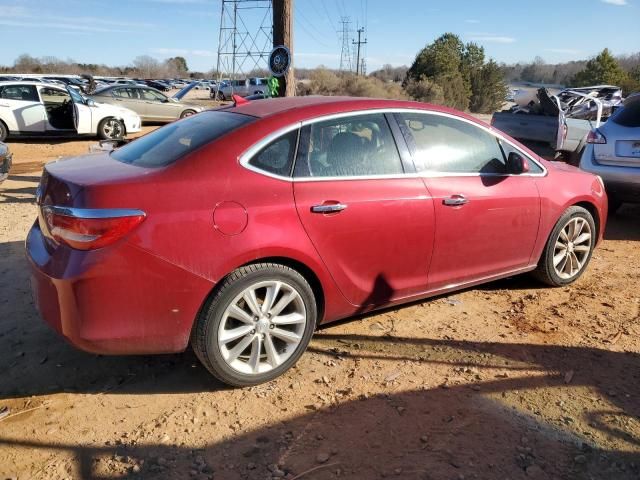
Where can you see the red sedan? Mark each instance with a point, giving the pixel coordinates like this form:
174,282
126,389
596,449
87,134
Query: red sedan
240,230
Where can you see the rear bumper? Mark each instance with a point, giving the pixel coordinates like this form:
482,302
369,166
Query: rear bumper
115,300
623,183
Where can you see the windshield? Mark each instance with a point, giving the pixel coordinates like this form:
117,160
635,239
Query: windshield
166,145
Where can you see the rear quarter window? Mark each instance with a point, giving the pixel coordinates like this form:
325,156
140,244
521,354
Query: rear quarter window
628,116
166,145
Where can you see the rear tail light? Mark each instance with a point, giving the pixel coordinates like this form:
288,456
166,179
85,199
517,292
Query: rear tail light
596,136
88,229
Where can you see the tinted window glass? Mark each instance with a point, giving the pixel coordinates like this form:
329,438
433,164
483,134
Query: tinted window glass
26,93
164,146
629,115
152,96
355,146
444,144
277,157
126,93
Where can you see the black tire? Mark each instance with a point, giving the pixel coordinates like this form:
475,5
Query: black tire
187,113
204,335
4,131
220,97
111,128
546,272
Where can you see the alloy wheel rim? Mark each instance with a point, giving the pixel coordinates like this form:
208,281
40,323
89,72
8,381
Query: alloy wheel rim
262,327
572,248
112,129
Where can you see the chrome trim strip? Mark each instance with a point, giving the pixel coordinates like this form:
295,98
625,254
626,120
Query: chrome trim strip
245,157
95,213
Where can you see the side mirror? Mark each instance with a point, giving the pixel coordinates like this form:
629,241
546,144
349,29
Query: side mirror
517,164
90,103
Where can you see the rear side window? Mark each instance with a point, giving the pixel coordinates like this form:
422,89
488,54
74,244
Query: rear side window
628,116
164,146
357,146
447,145
277,157
26,93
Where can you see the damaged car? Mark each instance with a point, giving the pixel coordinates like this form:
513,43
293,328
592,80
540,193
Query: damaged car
40,109
5,162
560,121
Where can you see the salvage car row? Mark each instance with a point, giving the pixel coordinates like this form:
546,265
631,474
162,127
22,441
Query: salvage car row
42,109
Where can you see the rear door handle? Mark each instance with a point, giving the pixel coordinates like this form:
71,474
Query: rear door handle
455,200
328,208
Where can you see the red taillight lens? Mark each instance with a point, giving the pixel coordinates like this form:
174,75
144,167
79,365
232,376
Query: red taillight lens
596,136
85,229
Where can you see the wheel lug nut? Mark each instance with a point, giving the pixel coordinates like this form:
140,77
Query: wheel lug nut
253,332
272,326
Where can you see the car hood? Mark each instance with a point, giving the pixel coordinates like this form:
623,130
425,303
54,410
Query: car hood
185,90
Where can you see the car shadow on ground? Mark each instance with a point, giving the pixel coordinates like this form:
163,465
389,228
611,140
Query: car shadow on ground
625,224
457,431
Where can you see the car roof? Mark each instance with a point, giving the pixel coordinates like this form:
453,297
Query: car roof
29,83
314,106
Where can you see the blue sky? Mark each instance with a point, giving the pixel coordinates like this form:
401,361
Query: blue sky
98,31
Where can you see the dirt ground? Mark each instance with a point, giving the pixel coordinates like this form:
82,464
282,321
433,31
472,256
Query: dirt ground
509,380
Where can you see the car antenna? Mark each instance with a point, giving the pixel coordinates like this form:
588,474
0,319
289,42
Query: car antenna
238,100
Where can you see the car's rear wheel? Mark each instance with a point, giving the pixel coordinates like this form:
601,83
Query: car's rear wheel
4,131
111,128
187,113
256,325
568,249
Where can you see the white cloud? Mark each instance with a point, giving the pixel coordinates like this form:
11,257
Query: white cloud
472,20
489,38
620,3
33,17
60,26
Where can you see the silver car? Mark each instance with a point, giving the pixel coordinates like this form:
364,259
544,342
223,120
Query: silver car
152,105
613,152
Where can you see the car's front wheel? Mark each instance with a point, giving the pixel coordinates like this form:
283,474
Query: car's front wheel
568,249
187,113
111,128
256,325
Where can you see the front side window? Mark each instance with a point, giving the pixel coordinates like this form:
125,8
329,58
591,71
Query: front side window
277,157
446,145
152,96
357,146
166,145
26,93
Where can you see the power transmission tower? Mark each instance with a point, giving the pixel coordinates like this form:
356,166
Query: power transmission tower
345,55
245,38
359,44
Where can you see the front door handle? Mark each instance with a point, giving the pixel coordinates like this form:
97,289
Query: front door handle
328,208
455,200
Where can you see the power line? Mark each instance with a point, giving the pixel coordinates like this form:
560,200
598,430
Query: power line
305,20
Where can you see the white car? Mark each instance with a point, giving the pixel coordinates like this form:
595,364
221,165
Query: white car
40,109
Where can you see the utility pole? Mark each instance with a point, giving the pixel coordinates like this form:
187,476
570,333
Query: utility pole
283,35
359,43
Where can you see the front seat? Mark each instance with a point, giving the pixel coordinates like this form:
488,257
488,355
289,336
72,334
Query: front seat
346,154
